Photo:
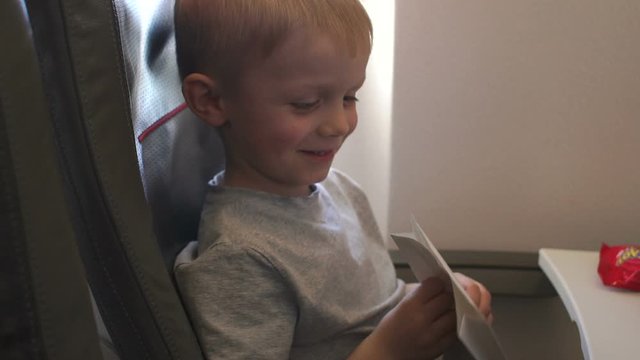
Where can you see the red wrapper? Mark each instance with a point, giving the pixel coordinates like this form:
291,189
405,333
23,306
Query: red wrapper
620,266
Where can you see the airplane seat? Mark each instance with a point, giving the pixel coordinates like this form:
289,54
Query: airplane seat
42,282
135,162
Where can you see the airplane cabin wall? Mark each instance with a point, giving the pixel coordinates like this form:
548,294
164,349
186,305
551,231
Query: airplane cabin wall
516,124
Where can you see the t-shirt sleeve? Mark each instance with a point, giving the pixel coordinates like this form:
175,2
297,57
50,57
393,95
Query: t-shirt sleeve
239,304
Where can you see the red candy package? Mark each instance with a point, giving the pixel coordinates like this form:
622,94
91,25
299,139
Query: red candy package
620,266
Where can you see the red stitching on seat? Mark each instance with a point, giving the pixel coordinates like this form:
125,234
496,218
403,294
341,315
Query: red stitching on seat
170,115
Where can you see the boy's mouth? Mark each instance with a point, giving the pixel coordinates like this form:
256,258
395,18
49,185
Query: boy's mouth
320,154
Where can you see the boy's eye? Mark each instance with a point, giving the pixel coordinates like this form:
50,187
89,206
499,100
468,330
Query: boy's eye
304,105
349,100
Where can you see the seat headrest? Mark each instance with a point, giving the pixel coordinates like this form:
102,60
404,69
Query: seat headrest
177,153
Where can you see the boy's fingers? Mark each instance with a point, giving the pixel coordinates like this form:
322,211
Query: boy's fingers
490,318
444,331
478,294
438,306
428,289
431,291
445,324
482,298
485,301
464,280
473,290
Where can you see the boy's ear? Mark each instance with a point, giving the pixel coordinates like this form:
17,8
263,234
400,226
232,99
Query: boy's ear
203,97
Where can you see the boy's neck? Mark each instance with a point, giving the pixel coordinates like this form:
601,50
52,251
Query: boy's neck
230,180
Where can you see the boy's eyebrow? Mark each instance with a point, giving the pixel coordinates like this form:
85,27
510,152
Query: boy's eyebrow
321,86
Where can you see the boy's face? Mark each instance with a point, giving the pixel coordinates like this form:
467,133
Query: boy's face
290,114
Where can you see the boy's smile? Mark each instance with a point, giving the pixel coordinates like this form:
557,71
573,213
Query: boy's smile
290,114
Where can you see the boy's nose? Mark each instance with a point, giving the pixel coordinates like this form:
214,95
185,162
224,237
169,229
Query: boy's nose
338,122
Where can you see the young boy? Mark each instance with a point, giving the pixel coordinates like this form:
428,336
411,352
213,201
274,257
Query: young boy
289,261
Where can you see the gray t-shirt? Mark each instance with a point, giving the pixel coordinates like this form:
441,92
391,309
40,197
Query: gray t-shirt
275,277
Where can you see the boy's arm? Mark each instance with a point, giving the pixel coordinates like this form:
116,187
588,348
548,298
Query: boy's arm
238,303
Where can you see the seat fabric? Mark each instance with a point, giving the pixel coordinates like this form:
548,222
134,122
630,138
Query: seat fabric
109,73
42,282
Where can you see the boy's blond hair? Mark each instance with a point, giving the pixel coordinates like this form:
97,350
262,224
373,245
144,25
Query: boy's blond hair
219,37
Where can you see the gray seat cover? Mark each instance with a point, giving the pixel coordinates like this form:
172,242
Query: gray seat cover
100,98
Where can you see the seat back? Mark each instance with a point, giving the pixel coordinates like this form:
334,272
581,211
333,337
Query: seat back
42,282
109,73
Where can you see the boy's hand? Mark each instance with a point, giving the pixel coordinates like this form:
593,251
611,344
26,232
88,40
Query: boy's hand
478,293
421,326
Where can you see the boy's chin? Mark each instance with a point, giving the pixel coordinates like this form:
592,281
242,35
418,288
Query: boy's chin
320,176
